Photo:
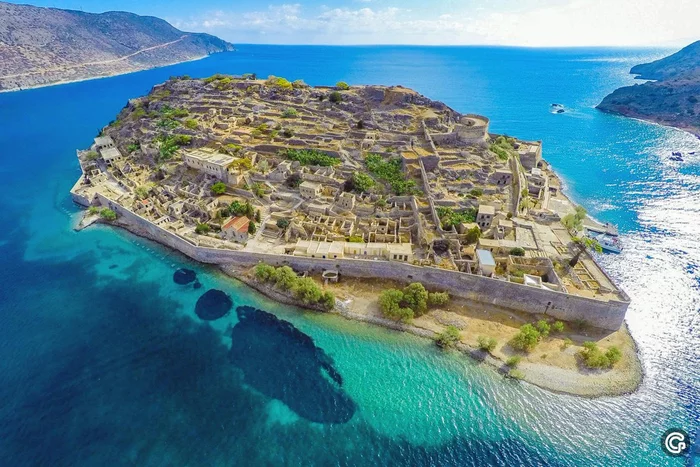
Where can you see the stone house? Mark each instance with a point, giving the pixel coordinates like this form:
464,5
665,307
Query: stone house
484,217
236,229
310,190
346,201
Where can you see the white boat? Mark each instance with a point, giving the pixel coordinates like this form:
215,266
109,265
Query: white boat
609,244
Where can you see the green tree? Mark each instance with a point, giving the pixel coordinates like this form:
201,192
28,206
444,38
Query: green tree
285,277
282,223
527,339
362,182
218,188
342,86
264,272
252,228
202,229
558,326
290,112
438,298
307,290
542,327
473,235
390,302
108,214
448,338
415,297
327,300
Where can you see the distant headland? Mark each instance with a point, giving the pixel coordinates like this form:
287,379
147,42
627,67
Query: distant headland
45,46
376,203
673,99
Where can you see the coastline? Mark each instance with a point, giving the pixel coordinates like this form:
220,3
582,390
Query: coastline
92,78
582,383
695,131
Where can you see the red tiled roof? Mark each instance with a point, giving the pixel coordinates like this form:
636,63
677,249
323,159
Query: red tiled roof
239,224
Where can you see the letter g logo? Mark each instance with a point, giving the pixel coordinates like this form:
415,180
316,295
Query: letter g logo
675,442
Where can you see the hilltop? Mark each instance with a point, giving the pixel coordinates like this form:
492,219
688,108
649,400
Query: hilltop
43,46
674,99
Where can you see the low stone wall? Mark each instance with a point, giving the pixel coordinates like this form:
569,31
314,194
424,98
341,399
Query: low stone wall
559,305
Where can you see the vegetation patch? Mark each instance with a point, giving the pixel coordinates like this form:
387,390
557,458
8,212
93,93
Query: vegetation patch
303,288
311,157
450,218
412,301
593,357
448,338
503,147
389,171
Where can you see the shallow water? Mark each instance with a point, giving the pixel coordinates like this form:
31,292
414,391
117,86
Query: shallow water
104,357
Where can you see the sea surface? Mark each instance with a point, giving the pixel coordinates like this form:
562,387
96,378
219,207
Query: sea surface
103,360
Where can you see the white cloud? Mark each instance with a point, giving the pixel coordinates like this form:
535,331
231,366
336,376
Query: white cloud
525,23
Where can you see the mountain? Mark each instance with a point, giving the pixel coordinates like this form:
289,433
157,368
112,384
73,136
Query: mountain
42,46
674,99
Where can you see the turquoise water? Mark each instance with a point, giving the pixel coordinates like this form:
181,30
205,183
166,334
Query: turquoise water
105,362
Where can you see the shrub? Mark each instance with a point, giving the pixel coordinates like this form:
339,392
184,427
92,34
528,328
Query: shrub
307,290
264,272
299,84
287,133
252,228
593,357
282,223
448,338
473,235
285,277
279,83
526,339
476,192
133,147
202,228
517,251
92,156
390,301
311,157
558,326
543,328
290,113
342,86
293,181
335,97
566,344
362,182
438,298
257,215
218,188
416,298
516,374
191,124
93,210
449,217
356,239
513,361
487,344
390,172
142,191
108,214
258,189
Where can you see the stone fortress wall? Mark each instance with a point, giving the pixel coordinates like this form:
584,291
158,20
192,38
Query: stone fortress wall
603,314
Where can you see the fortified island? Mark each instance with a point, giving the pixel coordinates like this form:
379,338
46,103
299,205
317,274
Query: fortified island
346,184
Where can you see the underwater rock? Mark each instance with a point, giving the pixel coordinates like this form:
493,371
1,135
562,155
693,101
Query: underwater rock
184,276
197,285
113,266
213,304
283,363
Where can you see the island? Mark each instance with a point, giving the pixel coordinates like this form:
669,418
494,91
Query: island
672,98
44,46
376,203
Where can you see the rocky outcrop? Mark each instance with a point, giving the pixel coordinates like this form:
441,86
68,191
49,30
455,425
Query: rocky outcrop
42,46
673,100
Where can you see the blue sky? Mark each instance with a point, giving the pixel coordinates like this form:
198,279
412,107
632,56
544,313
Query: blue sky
437,22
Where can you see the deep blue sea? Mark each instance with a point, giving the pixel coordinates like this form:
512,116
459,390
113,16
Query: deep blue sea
103,360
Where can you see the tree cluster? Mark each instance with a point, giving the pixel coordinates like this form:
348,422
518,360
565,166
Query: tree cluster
303,288
412,301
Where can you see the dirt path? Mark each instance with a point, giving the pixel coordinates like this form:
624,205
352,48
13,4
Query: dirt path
103,62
